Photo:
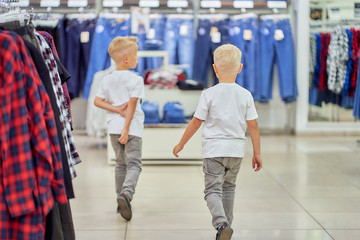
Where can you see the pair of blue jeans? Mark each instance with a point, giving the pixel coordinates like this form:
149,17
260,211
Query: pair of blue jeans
105,31
205,48
282,53
247,77
141,65
179,42
79,34
155,42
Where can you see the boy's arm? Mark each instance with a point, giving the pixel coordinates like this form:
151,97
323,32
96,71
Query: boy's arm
129,116
255,139
101,103
190,130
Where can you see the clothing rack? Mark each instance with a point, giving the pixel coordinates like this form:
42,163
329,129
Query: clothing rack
328,26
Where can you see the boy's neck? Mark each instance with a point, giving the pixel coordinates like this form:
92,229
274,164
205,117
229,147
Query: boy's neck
228,79
122,67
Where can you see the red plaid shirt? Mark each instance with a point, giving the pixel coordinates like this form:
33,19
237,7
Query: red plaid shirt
31,160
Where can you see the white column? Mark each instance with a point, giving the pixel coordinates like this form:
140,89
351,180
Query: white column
302,11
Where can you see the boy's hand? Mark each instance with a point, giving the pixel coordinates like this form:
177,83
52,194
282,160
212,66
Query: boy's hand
177,149
124,137
257,163
122,110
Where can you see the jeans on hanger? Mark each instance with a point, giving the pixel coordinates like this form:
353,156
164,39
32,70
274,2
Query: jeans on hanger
62,34
283,53
79,35
179,42
140,67
158,26
248,46
206,45
105,31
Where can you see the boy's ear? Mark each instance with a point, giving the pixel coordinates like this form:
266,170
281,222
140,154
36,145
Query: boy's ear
125,59
215,69
240,68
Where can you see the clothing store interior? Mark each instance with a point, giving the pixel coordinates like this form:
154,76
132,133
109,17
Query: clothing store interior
300,64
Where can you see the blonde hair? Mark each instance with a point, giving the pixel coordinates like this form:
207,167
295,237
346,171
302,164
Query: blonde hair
121,46
227,59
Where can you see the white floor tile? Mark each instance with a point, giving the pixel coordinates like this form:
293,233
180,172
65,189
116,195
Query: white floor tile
308,189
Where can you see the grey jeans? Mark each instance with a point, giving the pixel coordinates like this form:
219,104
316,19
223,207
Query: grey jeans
220,177
127,164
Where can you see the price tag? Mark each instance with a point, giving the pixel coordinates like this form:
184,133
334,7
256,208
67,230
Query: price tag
113,3
177,3
211,4
247,36
151,33
21,3
243,4
149,3
277,4
184,30
49,3
279,35
77,3
215,35
84,37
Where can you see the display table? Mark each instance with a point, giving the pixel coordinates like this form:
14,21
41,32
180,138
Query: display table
159,139
158,144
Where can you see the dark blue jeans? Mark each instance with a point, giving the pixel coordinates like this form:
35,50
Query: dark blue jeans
179,42
106,30
247,77
282,53
204,49
78,44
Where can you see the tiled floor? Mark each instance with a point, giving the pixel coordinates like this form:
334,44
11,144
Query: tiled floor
309,189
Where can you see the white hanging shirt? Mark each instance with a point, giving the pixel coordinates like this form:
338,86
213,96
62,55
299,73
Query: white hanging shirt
225,108
96,124
117,88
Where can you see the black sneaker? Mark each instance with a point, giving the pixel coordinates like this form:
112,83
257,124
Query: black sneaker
224,232
124,206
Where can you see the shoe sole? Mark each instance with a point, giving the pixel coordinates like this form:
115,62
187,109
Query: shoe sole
125,212
226,234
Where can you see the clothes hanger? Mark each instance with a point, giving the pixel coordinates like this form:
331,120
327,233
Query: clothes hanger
244,16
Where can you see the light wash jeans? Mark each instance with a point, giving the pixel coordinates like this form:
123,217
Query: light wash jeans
180,45
247,77
283,54
105,31
127,164
220,177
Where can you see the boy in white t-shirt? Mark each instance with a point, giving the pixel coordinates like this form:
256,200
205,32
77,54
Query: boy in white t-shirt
227,110
119,94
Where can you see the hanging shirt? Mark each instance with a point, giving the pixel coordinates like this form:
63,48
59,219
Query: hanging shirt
225,108
64,74
337,59
31,168
73,156
96,117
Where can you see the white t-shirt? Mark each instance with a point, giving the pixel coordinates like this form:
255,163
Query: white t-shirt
117,88
225,108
